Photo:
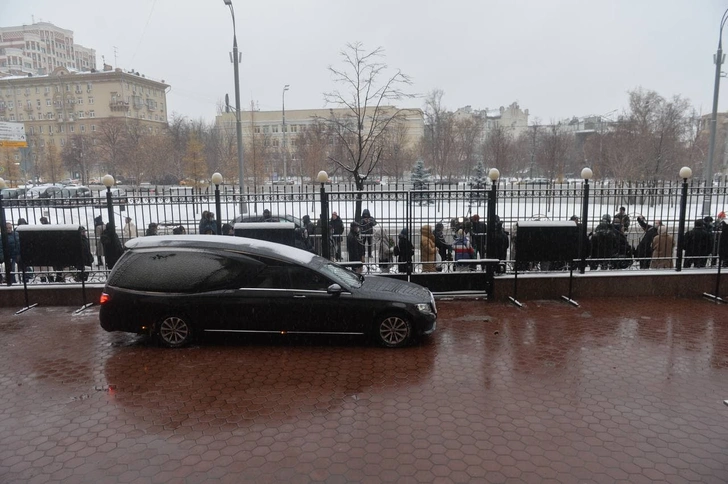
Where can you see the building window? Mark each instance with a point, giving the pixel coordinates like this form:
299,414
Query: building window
47,89
93,127
63,141
91,114
257,130
275,128
81,114
79,100
83,128
38,103
294,128
71,129
265,129
90,100
48,102
12,117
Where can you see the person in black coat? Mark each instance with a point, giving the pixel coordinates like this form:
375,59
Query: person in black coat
723,240
502,242
604,244
367,229
112,245
698,244
404,251
443,248
336,226
355,248
87,259
644,247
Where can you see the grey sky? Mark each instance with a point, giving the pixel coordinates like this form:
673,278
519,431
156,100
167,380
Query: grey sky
557,58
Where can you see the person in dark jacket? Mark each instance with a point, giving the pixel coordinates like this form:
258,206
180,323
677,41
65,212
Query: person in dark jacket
502,242
722,239
443,248
698,244
367,230
621,219
604,244
336,226
478,232
112,245
355,248
300,240
87,259
151,229
207,223
404,251
13,248
644,247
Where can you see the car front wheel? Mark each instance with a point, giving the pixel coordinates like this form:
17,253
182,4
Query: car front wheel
174,332
393,331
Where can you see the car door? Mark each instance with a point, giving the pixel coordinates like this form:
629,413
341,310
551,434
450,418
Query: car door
310,308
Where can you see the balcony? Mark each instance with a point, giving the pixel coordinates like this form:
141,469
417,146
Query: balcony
118,105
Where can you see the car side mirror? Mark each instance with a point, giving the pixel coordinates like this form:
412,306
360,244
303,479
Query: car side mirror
334,289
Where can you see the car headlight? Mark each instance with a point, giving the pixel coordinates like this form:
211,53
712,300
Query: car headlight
424,307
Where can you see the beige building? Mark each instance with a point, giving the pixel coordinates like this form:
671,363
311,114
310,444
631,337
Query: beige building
512,118
40,48
55,107
268,125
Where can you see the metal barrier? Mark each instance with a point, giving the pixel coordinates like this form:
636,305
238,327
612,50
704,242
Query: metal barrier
397,207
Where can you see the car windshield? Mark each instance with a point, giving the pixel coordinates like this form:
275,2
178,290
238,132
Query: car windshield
342,275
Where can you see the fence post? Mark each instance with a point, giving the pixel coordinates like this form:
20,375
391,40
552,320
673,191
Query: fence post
685,174
4,234
494,175
322,178
586,175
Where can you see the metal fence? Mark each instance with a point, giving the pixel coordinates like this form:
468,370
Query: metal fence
394,207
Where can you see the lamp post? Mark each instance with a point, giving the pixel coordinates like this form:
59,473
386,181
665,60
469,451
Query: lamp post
322,178
285,150
217,180
490,247
4,234
586,175
718,60
685,173
108,182
238,125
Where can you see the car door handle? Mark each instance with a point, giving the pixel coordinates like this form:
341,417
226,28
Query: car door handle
299,296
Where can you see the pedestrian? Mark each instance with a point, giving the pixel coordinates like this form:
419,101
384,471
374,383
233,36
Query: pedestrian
336,225
622,220
662,246
443,248
463,251
355,248
502,241
404,251
208,226
227,229
99,227
604,244
151,229
477,233
428,249
130,230
722,230
267,216
112,245
385,248
367,230
644,246
87,259
13,249
698,244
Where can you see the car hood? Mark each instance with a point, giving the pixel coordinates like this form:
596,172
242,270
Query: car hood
393,289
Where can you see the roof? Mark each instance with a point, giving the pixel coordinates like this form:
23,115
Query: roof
223,242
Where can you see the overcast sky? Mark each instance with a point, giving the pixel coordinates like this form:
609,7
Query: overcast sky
556,58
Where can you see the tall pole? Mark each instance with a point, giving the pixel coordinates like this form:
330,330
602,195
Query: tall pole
685,173
714,119
586,175
238,125
285,148
4,237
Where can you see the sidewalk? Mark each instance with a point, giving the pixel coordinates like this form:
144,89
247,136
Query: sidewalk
617,390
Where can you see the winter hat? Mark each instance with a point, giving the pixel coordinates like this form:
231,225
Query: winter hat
721,215
606,218
404,232
365,213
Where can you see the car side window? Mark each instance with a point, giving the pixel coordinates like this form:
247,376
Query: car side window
306,279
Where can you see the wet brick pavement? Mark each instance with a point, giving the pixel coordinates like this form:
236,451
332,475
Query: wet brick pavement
618,390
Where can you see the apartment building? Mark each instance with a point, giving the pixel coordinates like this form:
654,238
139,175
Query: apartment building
512,118
40,48
269,128
56,107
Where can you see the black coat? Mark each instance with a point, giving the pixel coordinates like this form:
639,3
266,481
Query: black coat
112,246
354,247
723,241
336,225
644,247
404,252
697,242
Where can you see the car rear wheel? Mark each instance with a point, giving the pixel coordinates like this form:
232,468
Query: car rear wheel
174,332
393,331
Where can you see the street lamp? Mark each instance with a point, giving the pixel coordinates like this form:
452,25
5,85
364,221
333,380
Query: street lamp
108,182
4,234
322,178
718,60
285,151
238,125
586,175
217,180
685,173
490,246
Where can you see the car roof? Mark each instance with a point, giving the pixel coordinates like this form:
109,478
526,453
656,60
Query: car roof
223,242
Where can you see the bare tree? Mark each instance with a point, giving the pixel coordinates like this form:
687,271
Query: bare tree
438,146
367,91
498,150
112,143
553,145
311,147
468,133
78,155
397,156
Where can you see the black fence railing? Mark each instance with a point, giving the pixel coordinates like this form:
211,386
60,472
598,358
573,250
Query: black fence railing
445,208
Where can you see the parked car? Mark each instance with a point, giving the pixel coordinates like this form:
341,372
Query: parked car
10,196
184,286
42,194
118,197
71,196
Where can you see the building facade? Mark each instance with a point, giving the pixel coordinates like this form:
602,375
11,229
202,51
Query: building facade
56,107
40,48
268,126
512,118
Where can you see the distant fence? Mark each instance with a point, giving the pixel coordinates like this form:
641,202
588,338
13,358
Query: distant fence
394,207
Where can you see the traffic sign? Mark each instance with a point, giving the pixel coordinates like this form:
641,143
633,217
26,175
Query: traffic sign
12,135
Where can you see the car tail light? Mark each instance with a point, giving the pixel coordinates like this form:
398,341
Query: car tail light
104,298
